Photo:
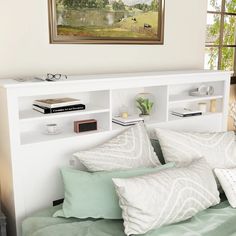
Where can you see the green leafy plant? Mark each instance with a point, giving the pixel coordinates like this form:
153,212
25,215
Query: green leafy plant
213,32
144,105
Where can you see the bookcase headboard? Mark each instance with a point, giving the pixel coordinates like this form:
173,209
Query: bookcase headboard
30,159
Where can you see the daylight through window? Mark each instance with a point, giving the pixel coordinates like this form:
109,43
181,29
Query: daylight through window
220,35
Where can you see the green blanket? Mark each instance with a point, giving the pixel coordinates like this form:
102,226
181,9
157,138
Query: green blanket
216,221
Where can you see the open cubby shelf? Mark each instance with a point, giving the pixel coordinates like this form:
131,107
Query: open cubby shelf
103,104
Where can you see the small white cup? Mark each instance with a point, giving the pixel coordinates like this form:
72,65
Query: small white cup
52,128
202,106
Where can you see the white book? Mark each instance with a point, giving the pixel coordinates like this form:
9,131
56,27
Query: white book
124,124
57,102
129,119
184,112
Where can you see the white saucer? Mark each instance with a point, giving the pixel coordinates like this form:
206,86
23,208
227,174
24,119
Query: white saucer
55,133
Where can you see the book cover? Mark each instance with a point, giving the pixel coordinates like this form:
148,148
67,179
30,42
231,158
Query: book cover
187,115
124,124
185,111
129,119
57,102
46,110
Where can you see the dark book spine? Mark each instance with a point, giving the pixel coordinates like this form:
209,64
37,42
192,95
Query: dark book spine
64,109
193,114
46,110
123,124
187,115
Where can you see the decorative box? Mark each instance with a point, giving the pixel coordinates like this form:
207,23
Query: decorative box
85,125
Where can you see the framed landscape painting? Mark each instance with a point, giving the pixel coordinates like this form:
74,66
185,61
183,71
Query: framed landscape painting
106,21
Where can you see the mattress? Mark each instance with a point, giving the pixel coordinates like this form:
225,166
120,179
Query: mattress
219,220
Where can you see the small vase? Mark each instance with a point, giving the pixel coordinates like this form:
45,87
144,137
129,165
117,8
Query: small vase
145,117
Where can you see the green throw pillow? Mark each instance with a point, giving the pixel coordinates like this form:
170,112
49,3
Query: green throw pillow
93,194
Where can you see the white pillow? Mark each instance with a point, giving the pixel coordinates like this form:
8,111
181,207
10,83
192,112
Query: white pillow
169,196
130,149
219,149
227,178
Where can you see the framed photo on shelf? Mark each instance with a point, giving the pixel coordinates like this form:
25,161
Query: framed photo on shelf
106,21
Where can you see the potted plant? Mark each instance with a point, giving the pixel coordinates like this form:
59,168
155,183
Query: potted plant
145,105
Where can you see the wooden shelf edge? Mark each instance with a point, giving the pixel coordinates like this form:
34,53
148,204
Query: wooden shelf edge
55,138
178,118
194,99
40,116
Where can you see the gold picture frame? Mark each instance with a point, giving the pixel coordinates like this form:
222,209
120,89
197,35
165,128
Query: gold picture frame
106,21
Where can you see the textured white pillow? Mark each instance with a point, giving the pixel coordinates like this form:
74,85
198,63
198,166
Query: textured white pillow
227,178
219,149
130,149
169,196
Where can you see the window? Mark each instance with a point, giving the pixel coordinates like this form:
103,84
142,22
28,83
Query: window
220,50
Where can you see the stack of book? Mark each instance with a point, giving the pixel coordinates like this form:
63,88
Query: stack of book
184,112
130,120
55,105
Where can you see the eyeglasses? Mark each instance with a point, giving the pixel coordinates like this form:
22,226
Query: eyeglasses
55,77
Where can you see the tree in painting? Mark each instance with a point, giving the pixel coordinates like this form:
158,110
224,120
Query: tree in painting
108,18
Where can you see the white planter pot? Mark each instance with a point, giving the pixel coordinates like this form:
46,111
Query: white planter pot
145,117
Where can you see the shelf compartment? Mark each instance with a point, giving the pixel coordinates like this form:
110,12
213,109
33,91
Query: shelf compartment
209,122
186,98
127,98
35,132
183,89
152,122
31,115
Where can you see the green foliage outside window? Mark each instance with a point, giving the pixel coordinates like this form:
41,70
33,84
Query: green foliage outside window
213,33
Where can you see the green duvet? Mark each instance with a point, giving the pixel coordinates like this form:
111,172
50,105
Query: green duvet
217,221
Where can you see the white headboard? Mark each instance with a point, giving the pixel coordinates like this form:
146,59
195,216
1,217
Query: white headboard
30,160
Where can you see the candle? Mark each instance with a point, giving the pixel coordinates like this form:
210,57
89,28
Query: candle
213,105
202,106
124,114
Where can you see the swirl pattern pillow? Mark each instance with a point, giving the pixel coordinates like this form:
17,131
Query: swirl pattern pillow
93,194
167,197
130,149
219,148
227,178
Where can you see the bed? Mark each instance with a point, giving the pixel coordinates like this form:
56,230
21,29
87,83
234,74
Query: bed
171,192
216,221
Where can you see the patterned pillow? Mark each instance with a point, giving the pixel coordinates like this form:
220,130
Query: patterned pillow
169,196
130,149
227,178
219,149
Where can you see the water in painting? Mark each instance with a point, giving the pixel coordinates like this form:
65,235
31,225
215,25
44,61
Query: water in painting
126,19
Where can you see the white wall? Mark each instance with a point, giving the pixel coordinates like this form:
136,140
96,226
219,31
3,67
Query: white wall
25,48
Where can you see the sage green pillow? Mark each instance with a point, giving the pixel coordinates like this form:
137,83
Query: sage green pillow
93,194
